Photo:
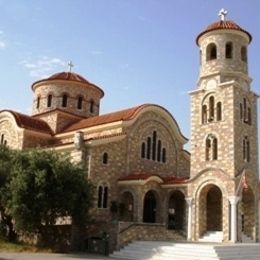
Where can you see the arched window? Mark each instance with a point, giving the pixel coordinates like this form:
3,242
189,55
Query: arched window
64,100
246,149
211,52
229,50
215,149
38,102
245,110
159,149
241,111
244,54
49,100
91,108
163,155
211,148
204,114
143,150
249,118
208,144
154,145
105,158
219,111
105,197
200,57
148,147
102,197
211,108
79,103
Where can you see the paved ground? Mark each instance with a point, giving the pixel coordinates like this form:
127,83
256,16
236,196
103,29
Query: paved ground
47,256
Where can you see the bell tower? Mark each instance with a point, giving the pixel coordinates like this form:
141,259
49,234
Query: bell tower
223,107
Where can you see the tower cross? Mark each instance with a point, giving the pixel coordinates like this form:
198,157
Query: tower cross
70,64
222,14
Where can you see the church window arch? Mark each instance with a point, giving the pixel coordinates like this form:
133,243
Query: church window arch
148,147
159,150
38,100
211,148
211,108
152,148
164,155
246,149
64,102
102,196
79,102
143,150
105,158
219,111
49,100
211,52
91,106
229,50
244,53
204,114
249,118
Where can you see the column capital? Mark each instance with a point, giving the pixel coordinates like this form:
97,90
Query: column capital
233,199
189,200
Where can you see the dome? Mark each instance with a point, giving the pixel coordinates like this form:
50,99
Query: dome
68,76
224,25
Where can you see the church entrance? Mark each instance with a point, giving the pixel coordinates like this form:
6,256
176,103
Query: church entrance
210,209
214,209
149,210
176,211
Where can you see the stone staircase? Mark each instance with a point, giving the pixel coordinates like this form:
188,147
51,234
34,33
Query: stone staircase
212,236
158,250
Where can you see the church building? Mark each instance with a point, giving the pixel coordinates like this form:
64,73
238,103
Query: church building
147,186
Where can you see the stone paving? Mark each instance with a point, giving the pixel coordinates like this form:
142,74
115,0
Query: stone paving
44,256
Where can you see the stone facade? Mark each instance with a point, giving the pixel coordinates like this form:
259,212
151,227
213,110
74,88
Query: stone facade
147,185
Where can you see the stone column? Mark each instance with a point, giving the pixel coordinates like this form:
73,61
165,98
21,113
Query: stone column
189,203
233,225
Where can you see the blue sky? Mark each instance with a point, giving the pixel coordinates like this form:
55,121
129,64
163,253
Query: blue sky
137,51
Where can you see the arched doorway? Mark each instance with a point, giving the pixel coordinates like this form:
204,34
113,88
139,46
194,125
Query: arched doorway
176,211
149,209
210,211
126,207
248,219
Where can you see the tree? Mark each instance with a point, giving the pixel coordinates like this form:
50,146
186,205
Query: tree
6,223
45,185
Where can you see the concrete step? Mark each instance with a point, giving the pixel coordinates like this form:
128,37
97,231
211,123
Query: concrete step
212,236
165,250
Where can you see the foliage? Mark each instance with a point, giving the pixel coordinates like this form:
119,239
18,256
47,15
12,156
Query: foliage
42,186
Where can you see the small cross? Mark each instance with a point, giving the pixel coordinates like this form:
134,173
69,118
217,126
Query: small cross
70,64
222,14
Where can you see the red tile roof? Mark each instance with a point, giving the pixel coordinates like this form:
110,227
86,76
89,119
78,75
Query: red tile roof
145,176
69,76
123,115
224,25
28,122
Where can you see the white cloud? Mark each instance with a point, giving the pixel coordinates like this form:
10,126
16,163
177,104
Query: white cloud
44,66
2,45
96,52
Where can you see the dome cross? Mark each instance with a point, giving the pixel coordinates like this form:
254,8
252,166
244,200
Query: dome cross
222,14
70,64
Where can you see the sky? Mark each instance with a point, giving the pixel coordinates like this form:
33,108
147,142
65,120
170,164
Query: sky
137,51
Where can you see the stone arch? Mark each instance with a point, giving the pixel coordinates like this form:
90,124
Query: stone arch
150,207
176,210
211,52
200,198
